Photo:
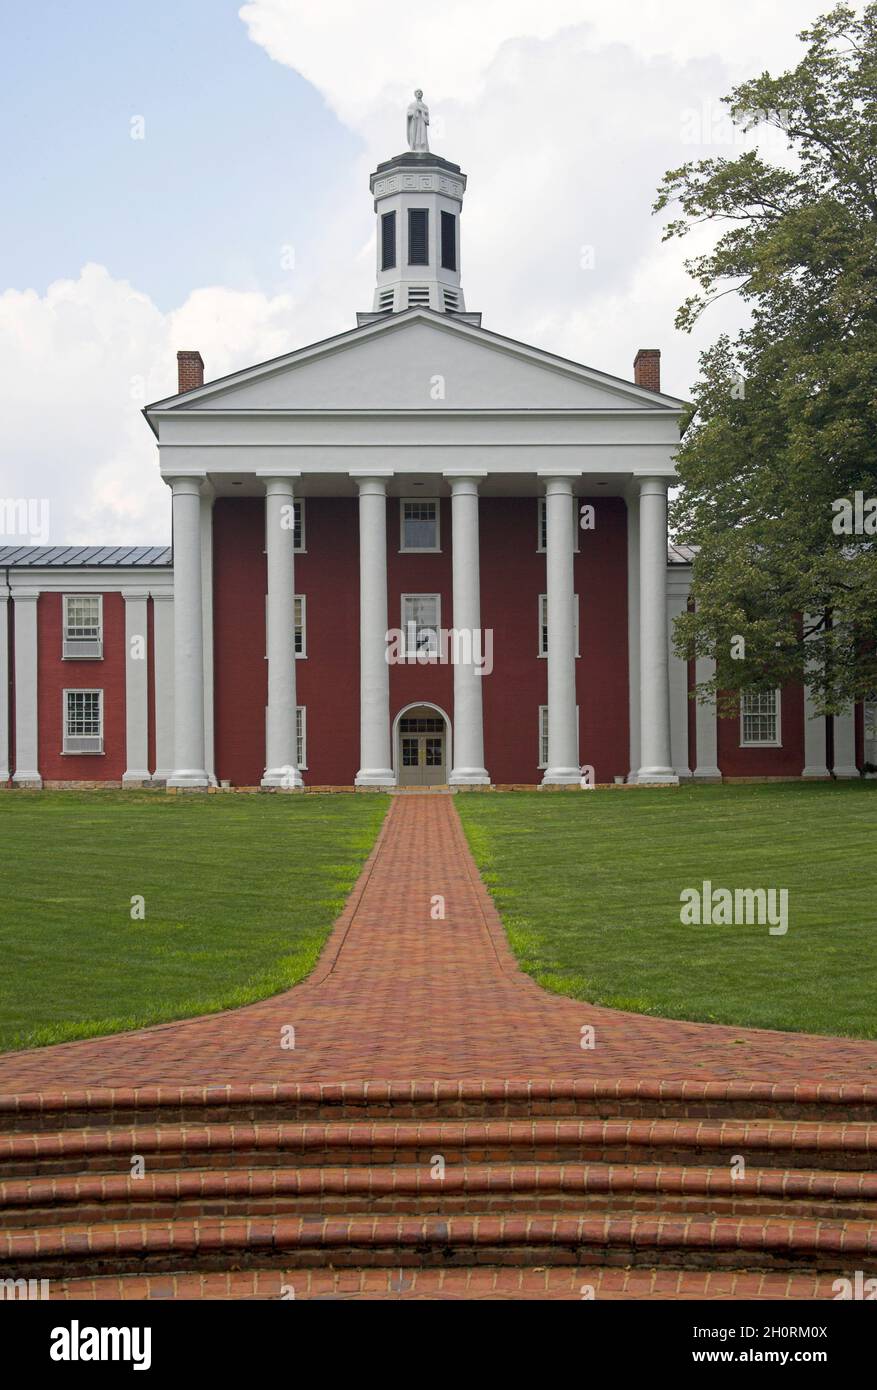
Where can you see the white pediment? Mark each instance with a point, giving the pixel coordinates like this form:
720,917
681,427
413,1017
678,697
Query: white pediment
420,361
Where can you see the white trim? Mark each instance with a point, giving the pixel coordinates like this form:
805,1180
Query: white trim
543,714
777,740
542,652
27,693
65,733
136,687
433,657
420,549
301,718
163,680
302,600
4,683
67,640
422,704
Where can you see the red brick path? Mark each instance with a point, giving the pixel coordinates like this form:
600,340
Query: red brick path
398,996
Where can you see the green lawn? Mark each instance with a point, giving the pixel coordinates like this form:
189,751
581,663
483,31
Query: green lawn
240,893
588,885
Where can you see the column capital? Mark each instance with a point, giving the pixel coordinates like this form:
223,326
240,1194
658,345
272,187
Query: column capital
653,486
279,484
186,484
131,595
25,595
371,484
558,483
161,595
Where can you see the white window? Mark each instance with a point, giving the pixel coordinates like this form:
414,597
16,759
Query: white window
542,523
421,621
298,527
83,627
83,721
543,735
760,719
543,623
301,636
420,524
301,744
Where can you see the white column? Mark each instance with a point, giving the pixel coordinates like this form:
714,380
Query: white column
163,678
26,726
207,498
677,603
375,756
706,730
136,687
656,765
4,683
633,629
845,744
468,769
563,750
281,762
189,770
815,729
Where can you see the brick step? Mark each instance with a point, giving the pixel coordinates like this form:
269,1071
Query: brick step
488,1282
764,1143
522,1239
463,1100
466,1190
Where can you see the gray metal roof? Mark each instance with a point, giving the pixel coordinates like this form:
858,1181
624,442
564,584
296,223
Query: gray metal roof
681,554
73,556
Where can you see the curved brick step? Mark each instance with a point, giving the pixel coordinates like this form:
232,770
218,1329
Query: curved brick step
287,1103
496,1283
764,1143
470,1190
522,1239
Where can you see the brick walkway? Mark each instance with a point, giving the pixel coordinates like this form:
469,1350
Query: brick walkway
398,996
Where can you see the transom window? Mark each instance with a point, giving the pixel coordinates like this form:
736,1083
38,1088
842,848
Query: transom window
83,721
542,523
421,620
543,623
412,724
83,626
420,523
760,719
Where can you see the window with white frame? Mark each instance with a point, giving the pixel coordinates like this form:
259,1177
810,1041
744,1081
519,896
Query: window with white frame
542,523
420,524
298,527
301,638
83,627
543,623
421,620
301,729
760,719
543,735
83,721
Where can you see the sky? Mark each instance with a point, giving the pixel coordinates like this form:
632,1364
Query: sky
194,174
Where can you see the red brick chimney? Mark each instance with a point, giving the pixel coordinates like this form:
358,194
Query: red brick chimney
647,368
190,370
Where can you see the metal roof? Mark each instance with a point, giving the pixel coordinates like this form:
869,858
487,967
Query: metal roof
74,556
681,554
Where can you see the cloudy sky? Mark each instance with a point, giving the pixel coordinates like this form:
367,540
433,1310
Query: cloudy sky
194,173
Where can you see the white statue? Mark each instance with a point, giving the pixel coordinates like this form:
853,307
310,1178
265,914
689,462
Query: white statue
418,120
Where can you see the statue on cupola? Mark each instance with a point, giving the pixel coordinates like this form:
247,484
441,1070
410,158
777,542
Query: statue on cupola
418,122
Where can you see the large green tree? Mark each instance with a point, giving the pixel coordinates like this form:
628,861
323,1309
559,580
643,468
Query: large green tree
783,428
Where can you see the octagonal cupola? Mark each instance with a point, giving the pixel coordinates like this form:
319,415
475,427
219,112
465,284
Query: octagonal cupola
418,199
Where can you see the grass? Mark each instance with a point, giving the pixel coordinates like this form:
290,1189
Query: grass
589,886
240,894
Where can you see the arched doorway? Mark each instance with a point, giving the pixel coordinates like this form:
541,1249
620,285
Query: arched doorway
421,746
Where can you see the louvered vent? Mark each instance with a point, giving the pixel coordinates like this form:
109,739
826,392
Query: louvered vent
451,301
386,299
418,236
418,297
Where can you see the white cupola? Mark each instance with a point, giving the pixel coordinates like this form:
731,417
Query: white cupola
418,200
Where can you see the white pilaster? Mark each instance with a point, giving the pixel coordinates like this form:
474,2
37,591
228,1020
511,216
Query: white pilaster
468,769
26,726
207,499
633,629
845,744
815,731
656,765
163,678
677,603
189,770
281,762
706,729
4,683
376,761
136,687
563,753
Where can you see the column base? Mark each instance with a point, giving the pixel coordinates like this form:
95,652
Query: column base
846,771
27,779
657,776
705,774
136,779
561,776
285,779
469,777
816,772
188,777
375,777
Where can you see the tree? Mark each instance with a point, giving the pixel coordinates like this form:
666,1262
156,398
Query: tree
778,462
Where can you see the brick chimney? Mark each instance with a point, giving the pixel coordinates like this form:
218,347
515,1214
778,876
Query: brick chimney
647,368
190,370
